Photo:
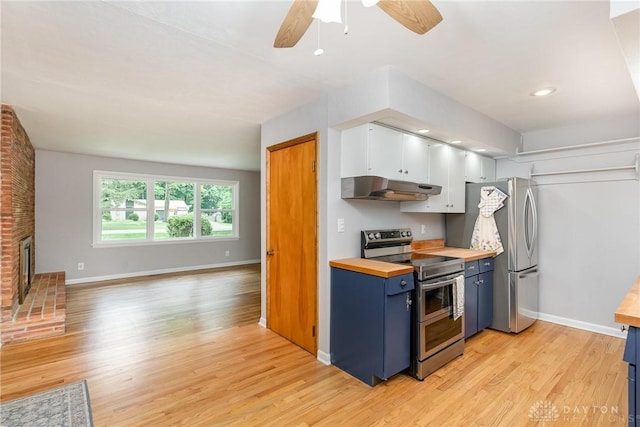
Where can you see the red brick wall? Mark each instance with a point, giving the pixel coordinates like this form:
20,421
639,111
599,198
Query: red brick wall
17,206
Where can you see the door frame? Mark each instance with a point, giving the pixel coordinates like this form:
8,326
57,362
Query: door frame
315,138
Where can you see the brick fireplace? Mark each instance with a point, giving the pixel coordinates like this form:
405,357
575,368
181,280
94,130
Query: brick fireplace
24,314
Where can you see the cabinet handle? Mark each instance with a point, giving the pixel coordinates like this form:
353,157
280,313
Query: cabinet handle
406,172
487,264
409,302
472,267
403,284
481,281
399,170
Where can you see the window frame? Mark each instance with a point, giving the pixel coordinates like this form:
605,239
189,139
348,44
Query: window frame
99,175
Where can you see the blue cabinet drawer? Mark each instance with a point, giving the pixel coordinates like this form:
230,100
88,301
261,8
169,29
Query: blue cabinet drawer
471,268
485,264
398,284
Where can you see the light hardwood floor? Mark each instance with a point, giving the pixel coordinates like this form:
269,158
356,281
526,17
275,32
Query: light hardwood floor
187,350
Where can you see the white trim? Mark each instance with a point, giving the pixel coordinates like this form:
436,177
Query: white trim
263,322
99,175
168,241
155,272
572,147
578,324
635,167
324,358
171,178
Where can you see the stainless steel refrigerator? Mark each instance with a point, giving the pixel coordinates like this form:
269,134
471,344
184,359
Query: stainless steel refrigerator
515,279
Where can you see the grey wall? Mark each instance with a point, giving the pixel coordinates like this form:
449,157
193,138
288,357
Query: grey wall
589,253
64,221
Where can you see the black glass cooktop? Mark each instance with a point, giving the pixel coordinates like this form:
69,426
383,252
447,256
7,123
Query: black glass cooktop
415,259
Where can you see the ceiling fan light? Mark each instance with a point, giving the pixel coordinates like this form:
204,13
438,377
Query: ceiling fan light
328,11
369,3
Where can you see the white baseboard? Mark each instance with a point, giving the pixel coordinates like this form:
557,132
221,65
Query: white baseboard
578,324
263,322
324,358
154,272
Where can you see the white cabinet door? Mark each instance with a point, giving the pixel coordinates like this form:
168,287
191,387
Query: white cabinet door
439,175
488,169
415,159
353,155
456,184
371,149
385,152
447,169
479,168
473,167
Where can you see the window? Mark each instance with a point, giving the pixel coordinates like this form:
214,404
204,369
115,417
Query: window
141,209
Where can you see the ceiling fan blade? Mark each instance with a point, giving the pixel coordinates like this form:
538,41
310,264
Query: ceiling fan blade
296,22
417,15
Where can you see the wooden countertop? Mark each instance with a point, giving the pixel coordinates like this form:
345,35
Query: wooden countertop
430,247
369,266
628,311
466,254
437,247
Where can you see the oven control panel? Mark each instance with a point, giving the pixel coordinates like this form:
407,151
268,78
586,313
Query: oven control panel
387,234
384,238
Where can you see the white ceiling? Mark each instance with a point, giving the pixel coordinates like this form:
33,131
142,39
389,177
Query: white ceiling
191,82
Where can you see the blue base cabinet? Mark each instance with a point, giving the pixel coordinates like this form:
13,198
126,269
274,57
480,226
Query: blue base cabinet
370,324
632,356
478,295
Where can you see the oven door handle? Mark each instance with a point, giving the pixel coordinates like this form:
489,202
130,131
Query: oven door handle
430,286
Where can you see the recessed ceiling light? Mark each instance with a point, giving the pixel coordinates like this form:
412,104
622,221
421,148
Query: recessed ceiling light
543,92
481,150
318,51
423,130
457,141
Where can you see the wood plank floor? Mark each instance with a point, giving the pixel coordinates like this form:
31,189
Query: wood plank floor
187,350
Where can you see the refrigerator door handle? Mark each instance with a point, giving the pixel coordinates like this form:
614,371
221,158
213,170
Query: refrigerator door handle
533,272
531,233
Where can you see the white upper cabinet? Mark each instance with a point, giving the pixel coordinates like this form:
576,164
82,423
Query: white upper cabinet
447,169
371,149
479,168
415,159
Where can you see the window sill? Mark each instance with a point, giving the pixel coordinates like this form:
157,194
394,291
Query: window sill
121,244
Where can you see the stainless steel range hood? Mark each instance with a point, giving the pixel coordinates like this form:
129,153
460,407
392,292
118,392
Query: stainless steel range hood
378,188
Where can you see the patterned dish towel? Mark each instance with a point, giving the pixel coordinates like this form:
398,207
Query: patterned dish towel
458,297
485,232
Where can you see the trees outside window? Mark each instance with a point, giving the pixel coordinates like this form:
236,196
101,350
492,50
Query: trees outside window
148,209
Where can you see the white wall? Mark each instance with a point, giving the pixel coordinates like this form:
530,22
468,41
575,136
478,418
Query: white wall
365,100
64,221
589,222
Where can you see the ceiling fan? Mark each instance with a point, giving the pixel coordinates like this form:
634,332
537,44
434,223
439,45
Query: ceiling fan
418,16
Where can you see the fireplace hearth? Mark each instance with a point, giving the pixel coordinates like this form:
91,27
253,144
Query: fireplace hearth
26,273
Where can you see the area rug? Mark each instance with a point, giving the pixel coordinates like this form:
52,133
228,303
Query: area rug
66,406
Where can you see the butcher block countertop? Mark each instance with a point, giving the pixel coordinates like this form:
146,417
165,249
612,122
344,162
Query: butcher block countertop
628,311
386,269
437,247
372,267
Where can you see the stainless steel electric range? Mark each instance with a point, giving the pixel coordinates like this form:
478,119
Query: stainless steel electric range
437,337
